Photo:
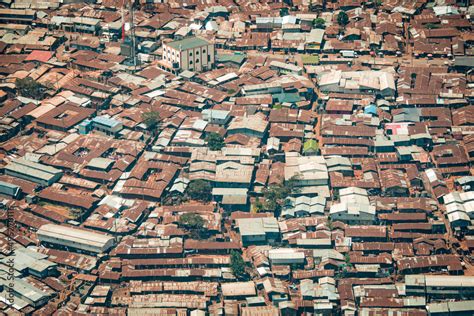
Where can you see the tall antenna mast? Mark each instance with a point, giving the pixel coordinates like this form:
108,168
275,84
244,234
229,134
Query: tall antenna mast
123,25
132,28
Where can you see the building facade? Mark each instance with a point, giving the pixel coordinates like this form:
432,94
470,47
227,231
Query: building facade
192,53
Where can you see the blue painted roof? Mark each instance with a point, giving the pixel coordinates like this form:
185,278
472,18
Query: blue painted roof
370,109
105,121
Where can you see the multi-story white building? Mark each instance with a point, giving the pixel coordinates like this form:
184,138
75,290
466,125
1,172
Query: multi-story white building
192,53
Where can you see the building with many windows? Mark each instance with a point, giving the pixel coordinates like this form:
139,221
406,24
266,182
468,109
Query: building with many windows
192,53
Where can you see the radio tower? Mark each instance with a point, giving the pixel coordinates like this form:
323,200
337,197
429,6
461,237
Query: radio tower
123,26
128,46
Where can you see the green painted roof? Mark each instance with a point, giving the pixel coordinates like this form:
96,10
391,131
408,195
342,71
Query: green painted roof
188,43
310,145
235,58
310,59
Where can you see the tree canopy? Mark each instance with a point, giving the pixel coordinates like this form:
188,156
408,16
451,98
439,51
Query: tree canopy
151,119
342,18
319,23
237,264
215,141
275,195
199,190
191,220
343,270
29,88
194,224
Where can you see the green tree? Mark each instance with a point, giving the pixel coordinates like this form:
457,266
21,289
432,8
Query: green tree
237,264
215,141
343,272
258,205
194,224
29,88
347,259
291,184
342,18
199,190
319,23
173,199
151,119
276,195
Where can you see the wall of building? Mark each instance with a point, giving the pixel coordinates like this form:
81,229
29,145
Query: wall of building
197,59
191,59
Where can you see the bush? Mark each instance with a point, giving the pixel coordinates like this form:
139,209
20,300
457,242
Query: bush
431,26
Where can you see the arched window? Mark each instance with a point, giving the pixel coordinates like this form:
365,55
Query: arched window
191,62
190,53
197,60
